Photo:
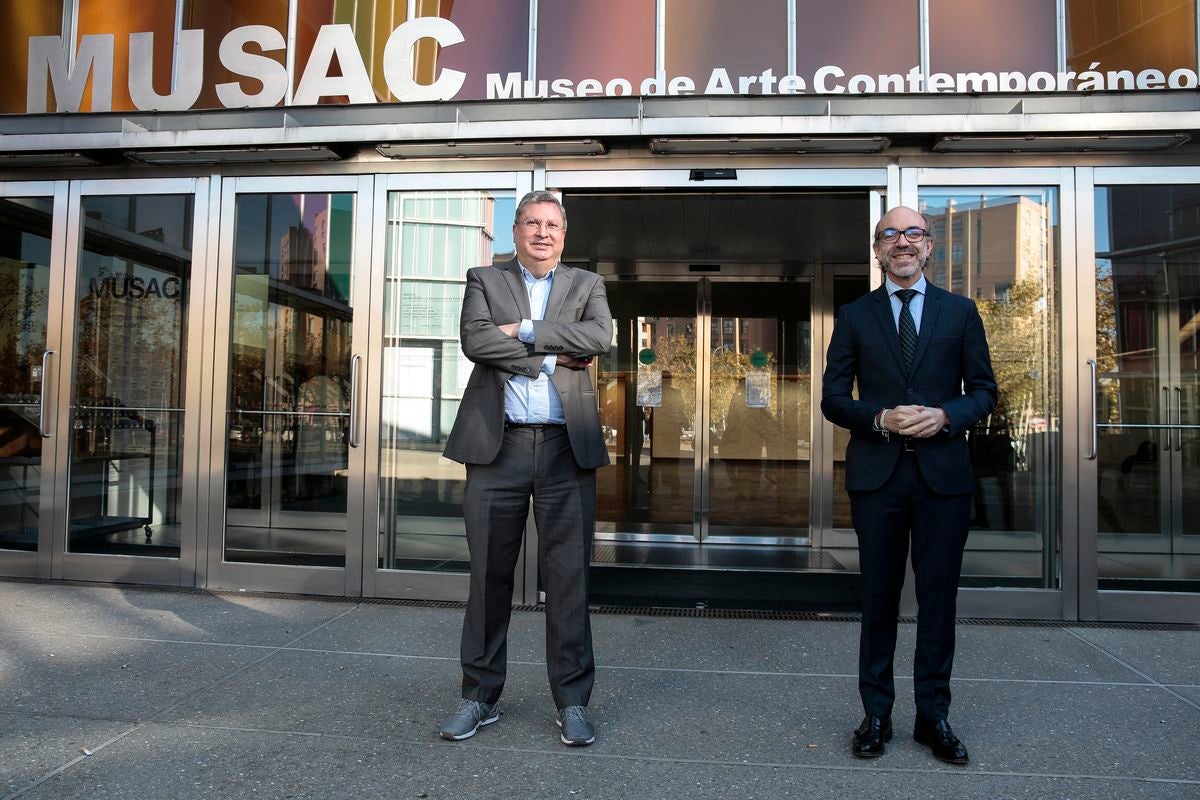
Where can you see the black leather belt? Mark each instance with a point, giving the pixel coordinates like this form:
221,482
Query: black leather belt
908,444
541,425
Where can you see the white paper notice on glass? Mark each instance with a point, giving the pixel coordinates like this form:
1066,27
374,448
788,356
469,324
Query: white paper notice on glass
758,388
649,387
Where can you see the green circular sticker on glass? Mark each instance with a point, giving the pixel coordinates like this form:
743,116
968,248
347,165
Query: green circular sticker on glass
758,359
647,356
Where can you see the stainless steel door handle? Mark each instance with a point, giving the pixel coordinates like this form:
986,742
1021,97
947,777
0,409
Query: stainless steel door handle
1095,443
1178,419
45,382
354,362
1167,416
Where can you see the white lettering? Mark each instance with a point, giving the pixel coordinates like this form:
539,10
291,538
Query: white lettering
891,83
509,89
267,71
861,84
562,88
1120,79
681,85
141,72
1090,80
791,84
651,87
612,86
1064,81
718,82
397,61
822,87
915,79
94,57
746,82
589,87
1151,79
767,79
1041,82
353,84
1183,79
1012,81
976,82
939,82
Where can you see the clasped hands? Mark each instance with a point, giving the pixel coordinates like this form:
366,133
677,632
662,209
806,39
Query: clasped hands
510,329
920,422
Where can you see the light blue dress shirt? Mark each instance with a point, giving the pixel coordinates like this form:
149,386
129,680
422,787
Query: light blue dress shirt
534,399
915,306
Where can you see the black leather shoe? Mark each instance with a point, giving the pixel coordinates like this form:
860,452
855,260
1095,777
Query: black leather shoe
869,737
938,737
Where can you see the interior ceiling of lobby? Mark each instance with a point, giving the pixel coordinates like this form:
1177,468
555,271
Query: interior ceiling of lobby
708,225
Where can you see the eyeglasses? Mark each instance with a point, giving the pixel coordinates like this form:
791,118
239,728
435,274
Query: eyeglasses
913,234
534,225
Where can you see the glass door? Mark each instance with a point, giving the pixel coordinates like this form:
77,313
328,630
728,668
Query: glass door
287,429
705,401
1005,239
32,230
1145,374
128,416
428,231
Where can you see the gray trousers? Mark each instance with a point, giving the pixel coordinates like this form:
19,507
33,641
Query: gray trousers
535,462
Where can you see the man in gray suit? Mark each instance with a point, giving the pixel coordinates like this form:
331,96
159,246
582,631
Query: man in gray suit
528,427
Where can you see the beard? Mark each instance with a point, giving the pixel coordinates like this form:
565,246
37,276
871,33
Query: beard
906,268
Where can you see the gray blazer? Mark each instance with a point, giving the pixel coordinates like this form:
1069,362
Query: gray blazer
577,323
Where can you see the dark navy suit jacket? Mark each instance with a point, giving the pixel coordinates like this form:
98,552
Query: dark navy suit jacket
951,369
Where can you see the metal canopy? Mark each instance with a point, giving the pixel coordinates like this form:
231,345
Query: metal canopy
613,119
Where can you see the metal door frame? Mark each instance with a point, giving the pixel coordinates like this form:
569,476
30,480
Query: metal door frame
341,581
417,583
874,182
40,562
181,571
1060,602
1096,603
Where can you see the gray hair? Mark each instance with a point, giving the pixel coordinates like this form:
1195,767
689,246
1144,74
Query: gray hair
540,197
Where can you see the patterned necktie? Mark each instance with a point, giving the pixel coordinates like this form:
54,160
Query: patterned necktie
908,329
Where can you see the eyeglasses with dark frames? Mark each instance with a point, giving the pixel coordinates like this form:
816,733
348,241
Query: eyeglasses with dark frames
913,234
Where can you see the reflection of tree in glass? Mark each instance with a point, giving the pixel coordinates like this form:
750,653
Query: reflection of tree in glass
676,357
1106,340
22,331
1017,328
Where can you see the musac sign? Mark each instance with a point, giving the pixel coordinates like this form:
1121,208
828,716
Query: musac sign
242,52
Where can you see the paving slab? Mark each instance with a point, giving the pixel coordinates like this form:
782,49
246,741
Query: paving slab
157,614
33,745
727,716
207,763
121,679
1166,656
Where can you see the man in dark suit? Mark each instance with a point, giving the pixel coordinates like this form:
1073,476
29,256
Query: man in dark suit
920,360
528,427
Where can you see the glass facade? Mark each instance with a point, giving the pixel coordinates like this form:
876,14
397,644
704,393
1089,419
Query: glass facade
1131,34
130,361
743,39
433,238
289,376
1001,247
621,41
847,34
25,236
982,36
1148,360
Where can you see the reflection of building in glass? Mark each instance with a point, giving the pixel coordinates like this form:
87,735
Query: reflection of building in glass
435,237
983,248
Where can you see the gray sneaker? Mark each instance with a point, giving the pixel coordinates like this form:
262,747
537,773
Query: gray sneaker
577,729
463,723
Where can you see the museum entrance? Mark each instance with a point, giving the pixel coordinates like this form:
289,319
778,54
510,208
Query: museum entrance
709,397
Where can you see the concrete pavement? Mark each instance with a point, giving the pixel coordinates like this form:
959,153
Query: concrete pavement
120,692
